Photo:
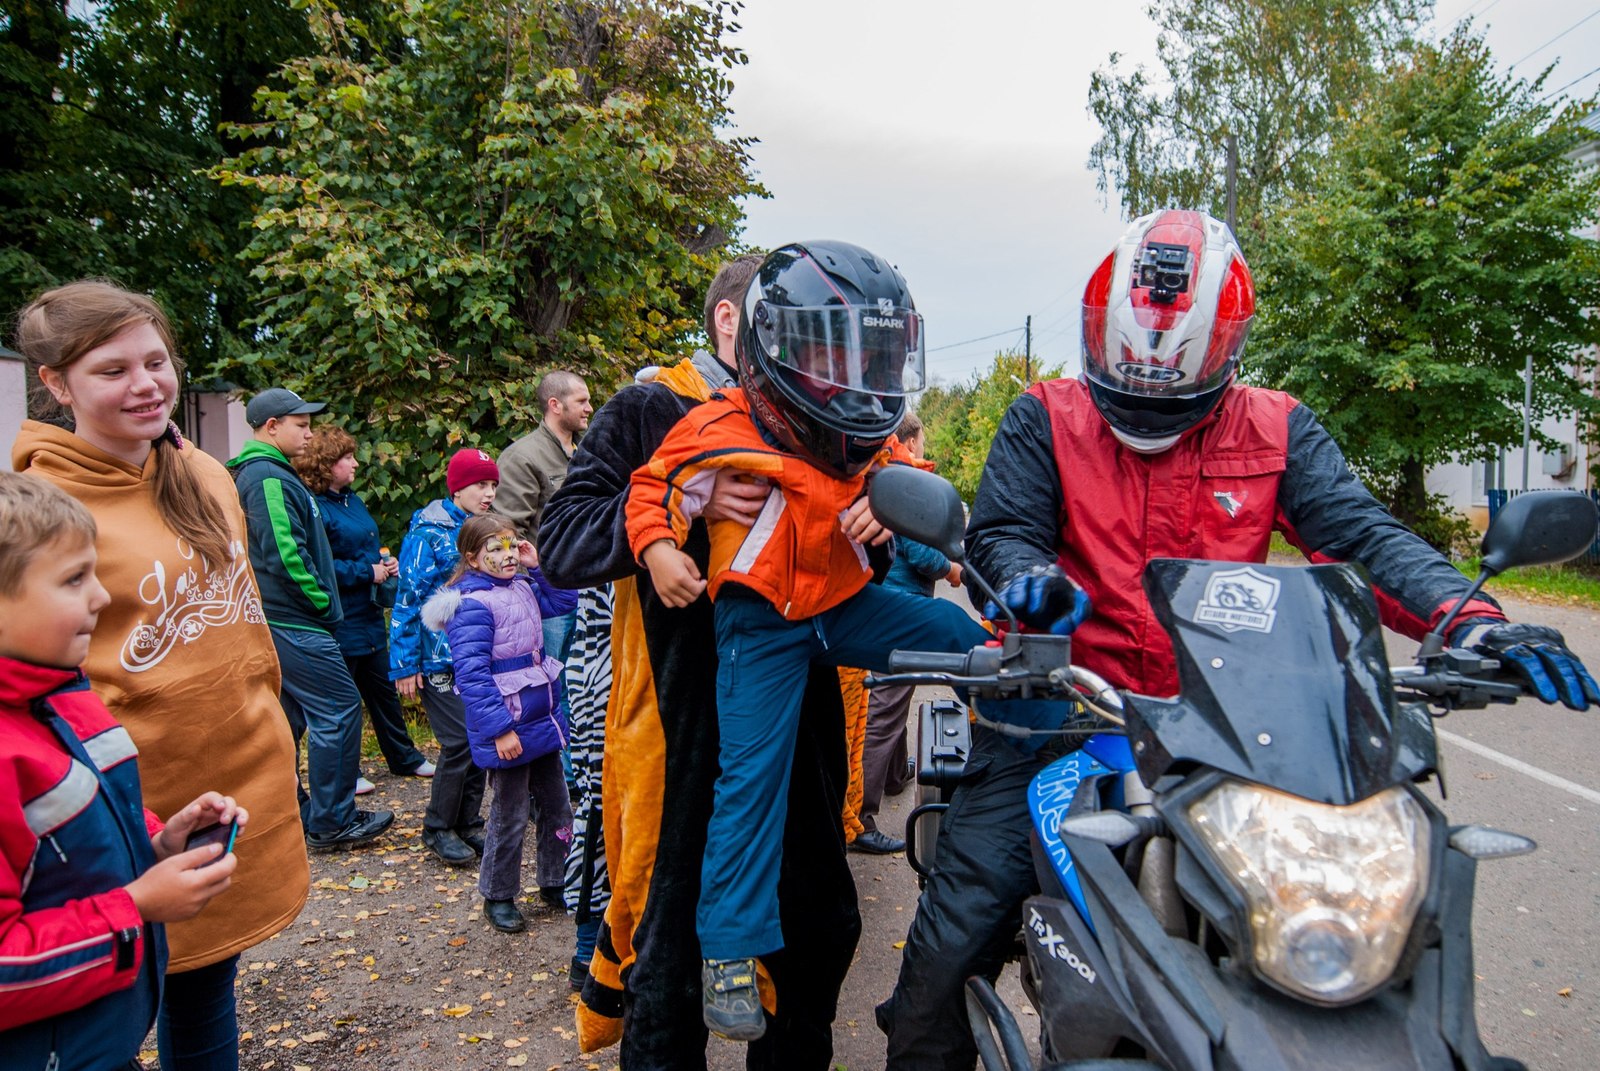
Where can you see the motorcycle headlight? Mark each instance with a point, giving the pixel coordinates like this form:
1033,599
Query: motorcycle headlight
1332,891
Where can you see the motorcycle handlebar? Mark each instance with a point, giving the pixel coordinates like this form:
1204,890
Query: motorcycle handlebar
927,662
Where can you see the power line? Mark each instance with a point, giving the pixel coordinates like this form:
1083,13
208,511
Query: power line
1557,37
968,342
1574,82
1059,319
1457,21
981,353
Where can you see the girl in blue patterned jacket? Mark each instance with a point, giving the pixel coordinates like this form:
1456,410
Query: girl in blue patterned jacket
492,613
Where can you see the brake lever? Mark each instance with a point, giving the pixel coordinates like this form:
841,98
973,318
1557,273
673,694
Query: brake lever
1459,691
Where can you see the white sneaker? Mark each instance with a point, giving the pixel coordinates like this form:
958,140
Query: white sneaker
363,786
425,770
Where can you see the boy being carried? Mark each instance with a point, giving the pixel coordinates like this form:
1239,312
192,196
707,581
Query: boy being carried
87,874
829,348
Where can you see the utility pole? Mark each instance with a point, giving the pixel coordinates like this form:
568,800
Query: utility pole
1233,183
1027,352
1527,416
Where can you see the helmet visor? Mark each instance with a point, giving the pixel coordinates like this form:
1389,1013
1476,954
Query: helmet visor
876,349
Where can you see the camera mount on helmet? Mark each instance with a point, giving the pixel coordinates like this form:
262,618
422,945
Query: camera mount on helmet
1164,270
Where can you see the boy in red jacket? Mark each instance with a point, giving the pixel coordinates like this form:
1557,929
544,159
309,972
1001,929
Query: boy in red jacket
86,873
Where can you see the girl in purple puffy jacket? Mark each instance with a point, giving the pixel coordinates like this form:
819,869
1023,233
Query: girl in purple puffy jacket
491,611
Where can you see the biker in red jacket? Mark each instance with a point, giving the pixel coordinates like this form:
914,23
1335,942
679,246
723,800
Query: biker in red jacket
1155,452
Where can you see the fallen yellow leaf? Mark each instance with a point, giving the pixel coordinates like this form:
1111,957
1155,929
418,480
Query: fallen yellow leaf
457,1010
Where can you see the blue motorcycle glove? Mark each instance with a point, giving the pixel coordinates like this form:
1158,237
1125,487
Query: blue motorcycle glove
1536,654
1043,598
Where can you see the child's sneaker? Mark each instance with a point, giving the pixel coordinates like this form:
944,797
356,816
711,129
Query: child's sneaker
731,1001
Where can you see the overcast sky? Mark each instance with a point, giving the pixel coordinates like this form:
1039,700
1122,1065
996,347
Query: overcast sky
953,138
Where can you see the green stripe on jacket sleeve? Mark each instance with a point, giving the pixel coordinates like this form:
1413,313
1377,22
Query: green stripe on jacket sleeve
288,547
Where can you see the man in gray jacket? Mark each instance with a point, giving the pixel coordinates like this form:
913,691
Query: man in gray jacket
535,465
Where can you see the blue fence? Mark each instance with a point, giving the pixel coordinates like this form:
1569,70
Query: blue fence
1588,557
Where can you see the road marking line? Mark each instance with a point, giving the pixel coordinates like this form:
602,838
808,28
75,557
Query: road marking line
1521,767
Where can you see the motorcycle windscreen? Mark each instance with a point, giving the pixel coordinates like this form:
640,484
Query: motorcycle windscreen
1283,679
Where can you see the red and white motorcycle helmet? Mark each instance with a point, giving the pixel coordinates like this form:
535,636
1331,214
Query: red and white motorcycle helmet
1164,321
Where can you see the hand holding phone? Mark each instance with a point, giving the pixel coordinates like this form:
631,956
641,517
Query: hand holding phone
223,833
180,885
212,816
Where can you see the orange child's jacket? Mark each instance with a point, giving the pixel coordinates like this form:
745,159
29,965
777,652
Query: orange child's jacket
796,555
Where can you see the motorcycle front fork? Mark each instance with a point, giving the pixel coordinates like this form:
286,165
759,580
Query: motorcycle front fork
1156,878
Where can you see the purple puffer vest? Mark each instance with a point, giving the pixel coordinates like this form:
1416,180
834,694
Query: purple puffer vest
504,677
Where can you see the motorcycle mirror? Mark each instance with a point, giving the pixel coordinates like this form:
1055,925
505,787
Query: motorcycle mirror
1534,528
919,506
1539,528
928,509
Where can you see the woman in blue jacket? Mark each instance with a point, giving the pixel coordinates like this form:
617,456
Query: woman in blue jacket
365,573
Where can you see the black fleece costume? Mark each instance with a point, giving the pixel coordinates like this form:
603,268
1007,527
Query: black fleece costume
661,766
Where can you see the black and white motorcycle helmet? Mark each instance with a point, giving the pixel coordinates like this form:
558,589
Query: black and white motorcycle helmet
829,348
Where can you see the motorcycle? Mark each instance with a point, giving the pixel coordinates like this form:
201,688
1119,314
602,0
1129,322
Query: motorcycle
1245,875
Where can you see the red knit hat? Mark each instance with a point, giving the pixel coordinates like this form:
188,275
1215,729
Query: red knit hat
468,467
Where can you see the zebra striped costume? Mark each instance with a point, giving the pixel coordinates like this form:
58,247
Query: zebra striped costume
588,691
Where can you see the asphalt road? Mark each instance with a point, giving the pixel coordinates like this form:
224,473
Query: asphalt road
1527,768
1534,770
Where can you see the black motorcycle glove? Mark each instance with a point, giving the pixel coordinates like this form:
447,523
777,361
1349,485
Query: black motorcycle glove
1043,598
1535,653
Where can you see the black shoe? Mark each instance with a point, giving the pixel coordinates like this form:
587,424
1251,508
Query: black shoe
504,916
474,840
554,897
910,778
448,847
364,827
877,842
577,974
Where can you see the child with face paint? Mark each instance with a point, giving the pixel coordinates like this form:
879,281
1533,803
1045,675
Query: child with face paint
492,610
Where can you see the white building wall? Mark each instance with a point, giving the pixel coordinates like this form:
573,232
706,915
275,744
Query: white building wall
13,401
215,421
1466,486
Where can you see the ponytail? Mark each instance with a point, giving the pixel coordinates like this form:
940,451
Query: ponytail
192,513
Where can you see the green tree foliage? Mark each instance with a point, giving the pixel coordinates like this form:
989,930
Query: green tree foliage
523,186
961,420
1439,249
1275,74
112,111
